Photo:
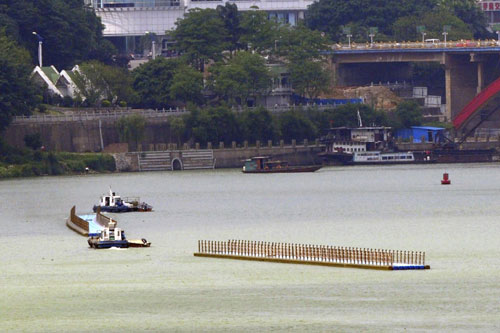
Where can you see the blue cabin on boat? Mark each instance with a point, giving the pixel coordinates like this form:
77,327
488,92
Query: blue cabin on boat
422,134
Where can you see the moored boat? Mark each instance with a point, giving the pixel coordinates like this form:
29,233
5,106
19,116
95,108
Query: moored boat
263,164
115,204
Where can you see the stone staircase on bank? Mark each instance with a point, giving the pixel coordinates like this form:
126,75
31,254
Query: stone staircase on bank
164,160
198,159
155,161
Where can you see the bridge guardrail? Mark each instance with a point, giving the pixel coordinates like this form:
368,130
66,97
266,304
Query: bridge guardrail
417,45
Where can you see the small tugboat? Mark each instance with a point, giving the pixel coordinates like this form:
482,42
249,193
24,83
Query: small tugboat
264,164
115,204
111,236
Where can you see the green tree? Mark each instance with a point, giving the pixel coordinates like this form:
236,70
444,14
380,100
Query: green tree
258,32
187,85
17,92
408,114
331,15
96,82
308,78
71,32
177,128
131,129
215,124
257,125
469,12
231,18
242,77
201,36
152,82
33,141
295,125
405,27
302,49
299,43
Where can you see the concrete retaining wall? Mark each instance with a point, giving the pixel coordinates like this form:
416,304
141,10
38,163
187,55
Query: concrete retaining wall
82,136
234,157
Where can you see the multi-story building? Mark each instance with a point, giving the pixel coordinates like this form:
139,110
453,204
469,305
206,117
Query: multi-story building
126,20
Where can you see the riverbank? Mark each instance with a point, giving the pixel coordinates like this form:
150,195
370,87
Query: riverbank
28,163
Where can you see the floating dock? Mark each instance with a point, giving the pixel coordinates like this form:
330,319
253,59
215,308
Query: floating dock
88,224
321,255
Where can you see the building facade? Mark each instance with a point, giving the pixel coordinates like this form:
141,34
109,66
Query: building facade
126,20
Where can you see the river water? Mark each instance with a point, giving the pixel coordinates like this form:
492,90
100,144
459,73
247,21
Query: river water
51,281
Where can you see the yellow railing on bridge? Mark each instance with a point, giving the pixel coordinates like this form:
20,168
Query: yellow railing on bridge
418,45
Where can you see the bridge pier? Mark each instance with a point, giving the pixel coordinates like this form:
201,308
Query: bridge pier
461,82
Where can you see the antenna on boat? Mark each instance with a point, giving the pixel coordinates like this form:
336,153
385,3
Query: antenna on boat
360,122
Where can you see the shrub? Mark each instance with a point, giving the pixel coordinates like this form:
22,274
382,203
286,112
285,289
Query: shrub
67,101
33,141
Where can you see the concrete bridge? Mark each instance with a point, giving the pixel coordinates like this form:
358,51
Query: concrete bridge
469,66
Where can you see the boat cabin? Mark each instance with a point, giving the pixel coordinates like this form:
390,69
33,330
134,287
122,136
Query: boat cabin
263,163
384,158
349,140
111,199
112,233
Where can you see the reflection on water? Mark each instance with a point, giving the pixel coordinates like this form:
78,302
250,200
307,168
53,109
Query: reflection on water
51,281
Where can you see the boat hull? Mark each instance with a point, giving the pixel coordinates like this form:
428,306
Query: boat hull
287,170
114,209
108,244
123,209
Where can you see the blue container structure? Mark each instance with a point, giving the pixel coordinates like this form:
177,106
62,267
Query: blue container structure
422,134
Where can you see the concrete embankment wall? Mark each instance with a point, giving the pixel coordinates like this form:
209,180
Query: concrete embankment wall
232,157
82,136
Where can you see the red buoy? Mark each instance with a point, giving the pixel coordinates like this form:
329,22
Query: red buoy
445,180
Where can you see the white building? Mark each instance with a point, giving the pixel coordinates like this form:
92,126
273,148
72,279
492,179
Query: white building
133,18
56,83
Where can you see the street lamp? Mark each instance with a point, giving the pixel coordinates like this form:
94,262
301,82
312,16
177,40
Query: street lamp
421,29
496,28
40,41
373,31
347,32
446,28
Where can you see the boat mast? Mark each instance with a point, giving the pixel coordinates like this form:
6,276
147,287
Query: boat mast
360,122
